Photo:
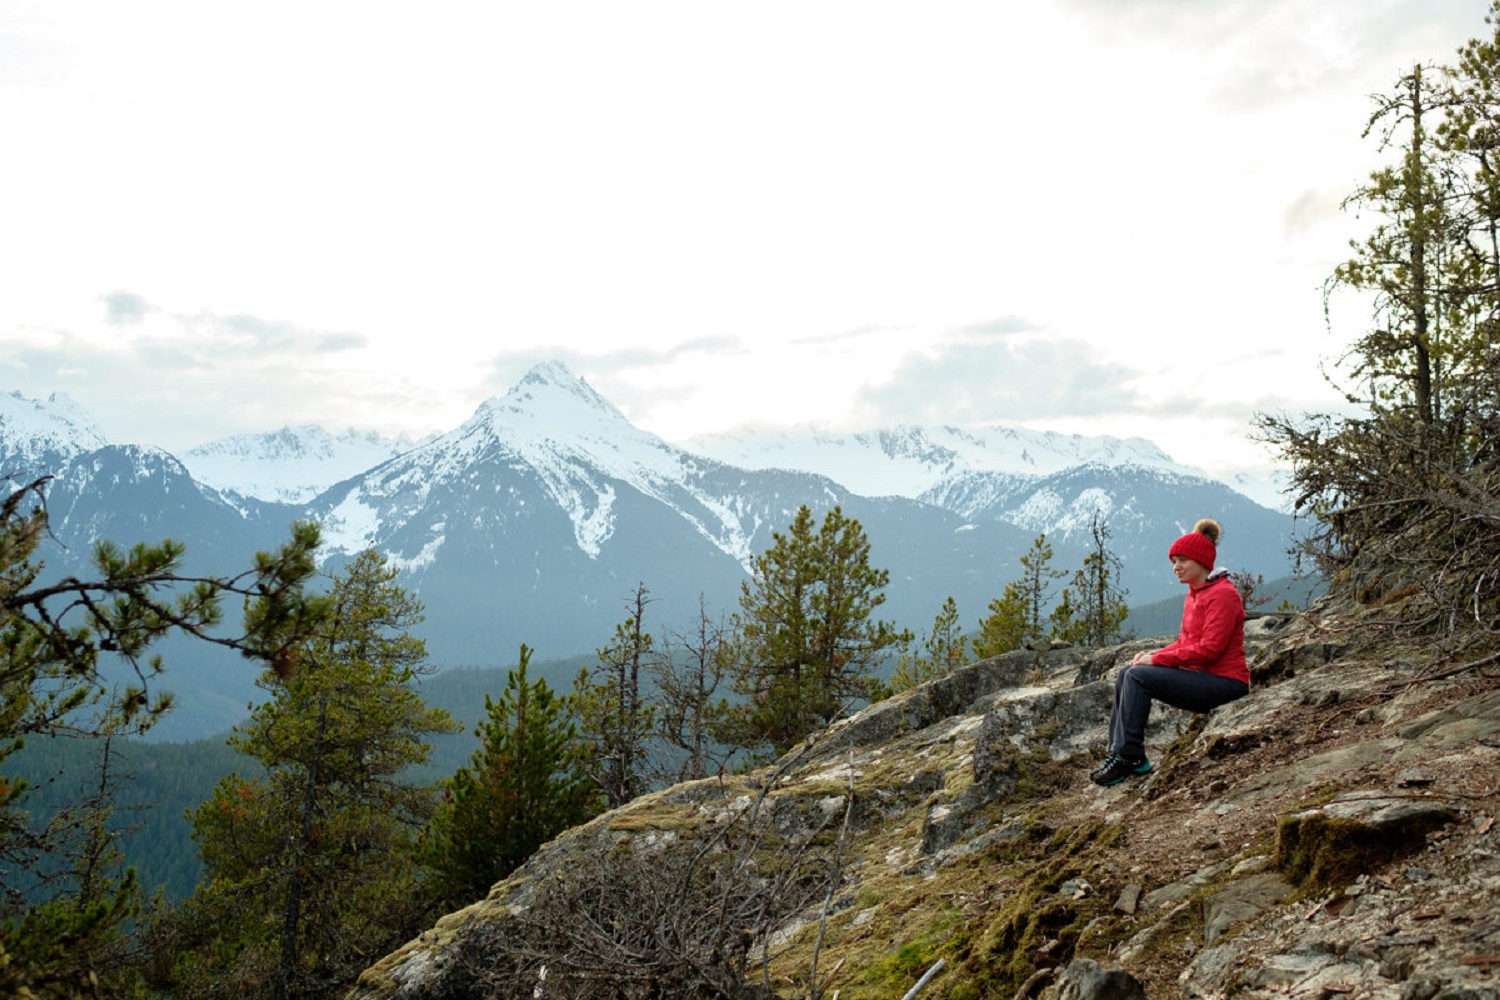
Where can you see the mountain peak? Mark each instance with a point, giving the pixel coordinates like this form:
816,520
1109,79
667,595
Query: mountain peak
558,375
554,376
32,428
559,404
552,370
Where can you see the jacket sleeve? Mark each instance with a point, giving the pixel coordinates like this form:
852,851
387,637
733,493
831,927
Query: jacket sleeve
1219,610
1170,648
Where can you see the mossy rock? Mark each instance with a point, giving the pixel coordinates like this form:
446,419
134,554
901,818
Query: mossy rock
1332,845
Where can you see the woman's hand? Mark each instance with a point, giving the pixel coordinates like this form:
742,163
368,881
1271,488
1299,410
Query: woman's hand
1141,660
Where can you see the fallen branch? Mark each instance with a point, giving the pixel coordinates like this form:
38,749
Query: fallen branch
1482,662
1036,978
833,887
926,978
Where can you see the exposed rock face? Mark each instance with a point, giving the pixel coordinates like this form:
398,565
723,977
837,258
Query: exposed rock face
1085,979
974,836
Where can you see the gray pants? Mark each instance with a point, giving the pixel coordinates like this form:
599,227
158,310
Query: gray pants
1136,687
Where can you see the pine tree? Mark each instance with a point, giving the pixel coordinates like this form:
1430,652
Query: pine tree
1400,264
1398,490
54,640
525,784
1466,134
1005,628
1065,622
1101,607
310,865
1019,615
1037,577
53,637
809,641
614,718
944,650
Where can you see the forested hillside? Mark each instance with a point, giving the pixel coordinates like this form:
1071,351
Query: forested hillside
157,784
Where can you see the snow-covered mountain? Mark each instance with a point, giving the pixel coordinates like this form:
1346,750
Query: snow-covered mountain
1267,486
910,461
536,519
1138,506
36,435
291,465
580,451
935,462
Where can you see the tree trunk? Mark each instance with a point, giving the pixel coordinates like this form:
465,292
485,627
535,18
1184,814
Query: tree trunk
1423,375
291,913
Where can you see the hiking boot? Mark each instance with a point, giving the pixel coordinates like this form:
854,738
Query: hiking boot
1116,768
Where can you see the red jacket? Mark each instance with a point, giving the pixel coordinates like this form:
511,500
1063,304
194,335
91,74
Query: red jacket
1213,632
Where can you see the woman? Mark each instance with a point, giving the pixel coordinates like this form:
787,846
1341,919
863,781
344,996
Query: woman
1203,669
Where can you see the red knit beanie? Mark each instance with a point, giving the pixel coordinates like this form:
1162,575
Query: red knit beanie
1198,544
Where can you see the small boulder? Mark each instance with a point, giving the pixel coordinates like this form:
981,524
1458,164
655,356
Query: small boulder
1130,899
1356,833
1085,979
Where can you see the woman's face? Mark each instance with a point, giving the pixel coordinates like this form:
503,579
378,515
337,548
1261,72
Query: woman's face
1189,571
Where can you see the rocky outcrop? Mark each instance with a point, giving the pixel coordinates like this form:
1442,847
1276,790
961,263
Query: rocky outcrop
1333,833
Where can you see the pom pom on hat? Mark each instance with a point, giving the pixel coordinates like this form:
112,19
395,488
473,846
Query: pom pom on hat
1198,544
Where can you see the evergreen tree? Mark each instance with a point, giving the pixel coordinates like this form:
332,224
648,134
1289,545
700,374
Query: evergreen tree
614,719
54,640
524,785
1466,134
53,637
1065,622
1400,490
310,865
1005,628
1037,578
809,641
1400,265
1101,608
944,650
1019,615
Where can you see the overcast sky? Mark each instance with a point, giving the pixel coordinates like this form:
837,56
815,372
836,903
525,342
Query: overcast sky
1096,216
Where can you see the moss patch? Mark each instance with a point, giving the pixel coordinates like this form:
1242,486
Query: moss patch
1034,926
1319,851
